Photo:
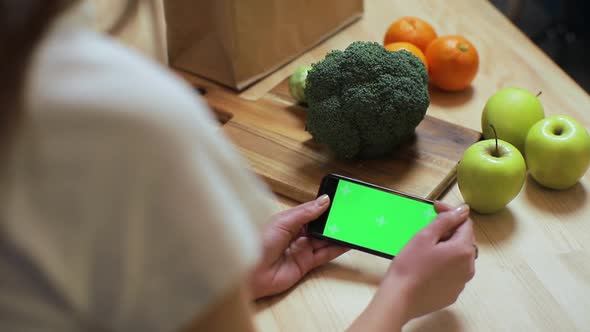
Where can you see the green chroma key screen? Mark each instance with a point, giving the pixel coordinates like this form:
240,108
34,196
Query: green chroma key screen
375,219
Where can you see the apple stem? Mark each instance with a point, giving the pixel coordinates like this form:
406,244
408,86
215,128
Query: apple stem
497,154
538,94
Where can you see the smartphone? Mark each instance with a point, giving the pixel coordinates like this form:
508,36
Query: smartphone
368,217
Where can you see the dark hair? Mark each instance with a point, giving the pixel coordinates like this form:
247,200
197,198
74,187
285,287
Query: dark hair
22,25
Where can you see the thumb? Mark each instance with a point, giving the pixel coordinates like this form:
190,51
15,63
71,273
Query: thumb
287,225
293,219
446,222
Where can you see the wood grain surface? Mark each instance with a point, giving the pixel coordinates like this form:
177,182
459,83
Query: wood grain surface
270,133
533,270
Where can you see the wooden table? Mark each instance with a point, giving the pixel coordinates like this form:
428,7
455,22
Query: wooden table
533,272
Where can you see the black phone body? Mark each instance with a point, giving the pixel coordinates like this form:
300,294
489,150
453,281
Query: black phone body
368,217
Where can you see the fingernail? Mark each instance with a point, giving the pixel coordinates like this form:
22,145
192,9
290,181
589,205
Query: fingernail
323,200
462,210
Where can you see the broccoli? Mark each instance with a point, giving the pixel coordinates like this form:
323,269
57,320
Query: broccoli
365,101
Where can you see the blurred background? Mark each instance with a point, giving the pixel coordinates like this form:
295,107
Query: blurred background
561,28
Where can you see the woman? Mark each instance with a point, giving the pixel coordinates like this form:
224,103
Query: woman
124,209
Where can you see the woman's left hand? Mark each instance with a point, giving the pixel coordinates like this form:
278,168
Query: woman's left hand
288,253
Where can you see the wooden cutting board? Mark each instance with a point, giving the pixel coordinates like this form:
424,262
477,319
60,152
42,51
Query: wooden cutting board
270,133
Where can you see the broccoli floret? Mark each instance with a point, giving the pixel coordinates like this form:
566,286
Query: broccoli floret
365,101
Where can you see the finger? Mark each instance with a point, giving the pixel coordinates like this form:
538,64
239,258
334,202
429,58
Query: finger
440,207
302,254
293,219
448,221
462,240
317,244
464,233
326,254
471,271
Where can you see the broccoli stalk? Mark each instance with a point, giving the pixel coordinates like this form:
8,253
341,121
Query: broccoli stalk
365,101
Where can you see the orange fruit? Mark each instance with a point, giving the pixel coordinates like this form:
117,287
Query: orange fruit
453,62
408,47
412,30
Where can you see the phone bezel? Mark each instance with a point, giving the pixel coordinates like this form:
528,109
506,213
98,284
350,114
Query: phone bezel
328,186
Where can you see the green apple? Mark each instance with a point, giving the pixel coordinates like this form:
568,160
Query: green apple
490,174
557,151
297,83
513,112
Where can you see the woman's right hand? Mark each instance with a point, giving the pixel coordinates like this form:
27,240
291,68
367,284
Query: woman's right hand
428,274
433,268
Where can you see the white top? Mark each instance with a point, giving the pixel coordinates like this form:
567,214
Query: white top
122,207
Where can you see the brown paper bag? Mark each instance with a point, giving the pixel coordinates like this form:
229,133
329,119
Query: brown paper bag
236,42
